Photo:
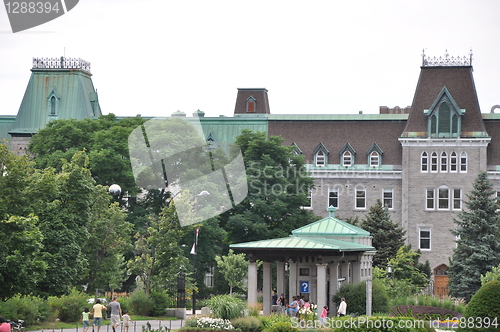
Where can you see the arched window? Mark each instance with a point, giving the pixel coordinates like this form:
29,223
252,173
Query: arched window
434,162
463,162
251,103
444,116
53,105
444,162
374,159
453,162
443,198
347,158
424,162
320,158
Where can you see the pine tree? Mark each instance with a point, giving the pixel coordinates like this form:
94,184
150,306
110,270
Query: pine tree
478,247
387,237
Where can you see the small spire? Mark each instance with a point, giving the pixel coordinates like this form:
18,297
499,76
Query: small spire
331,211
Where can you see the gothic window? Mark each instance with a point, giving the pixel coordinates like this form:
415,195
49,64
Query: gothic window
424,162
374,155
453,162
251,103
347,159
463,162
347,154
434,162
320,155
444,116
444,162
53,105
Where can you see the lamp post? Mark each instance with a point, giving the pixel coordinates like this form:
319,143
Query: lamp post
389,270
115,190
195,251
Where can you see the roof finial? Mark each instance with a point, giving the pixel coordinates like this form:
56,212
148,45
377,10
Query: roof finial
331,210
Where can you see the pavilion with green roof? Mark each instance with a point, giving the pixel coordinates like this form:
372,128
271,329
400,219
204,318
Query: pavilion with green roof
316,259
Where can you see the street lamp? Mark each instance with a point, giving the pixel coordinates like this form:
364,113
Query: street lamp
389,270
195,250
115,190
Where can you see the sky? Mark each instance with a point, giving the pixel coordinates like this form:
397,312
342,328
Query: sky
154,57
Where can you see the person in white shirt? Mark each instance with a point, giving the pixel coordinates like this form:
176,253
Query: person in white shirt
342,308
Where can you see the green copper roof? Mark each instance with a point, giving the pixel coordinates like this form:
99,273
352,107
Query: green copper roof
74,98
330,226
302,242
6,122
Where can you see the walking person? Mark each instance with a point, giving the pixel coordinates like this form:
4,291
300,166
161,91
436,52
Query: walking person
116,313
322,317
4,326
126,321
342,308
86,319
97,313
294,307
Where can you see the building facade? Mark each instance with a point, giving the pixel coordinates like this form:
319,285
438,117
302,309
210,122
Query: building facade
420,160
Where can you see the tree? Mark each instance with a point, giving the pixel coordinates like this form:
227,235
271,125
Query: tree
109,240
405,266
478,245
483,310
494,274
387,237
234,268
278,187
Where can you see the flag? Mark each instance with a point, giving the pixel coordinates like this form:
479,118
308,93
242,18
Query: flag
195,244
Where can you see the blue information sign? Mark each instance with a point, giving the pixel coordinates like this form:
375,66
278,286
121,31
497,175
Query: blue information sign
304,286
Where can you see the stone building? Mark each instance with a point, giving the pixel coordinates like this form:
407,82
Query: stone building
420,160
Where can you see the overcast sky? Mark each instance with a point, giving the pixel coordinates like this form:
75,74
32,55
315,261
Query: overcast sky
154,57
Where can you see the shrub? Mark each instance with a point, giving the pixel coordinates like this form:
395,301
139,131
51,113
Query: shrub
254,309
211,323
226,307
355,295
161,302
140,303
379,324
268,321
484,307
69,307
31,309
247,324
281,327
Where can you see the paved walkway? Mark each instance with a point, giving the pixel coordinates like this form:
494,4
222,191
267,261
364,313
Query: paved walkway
136,326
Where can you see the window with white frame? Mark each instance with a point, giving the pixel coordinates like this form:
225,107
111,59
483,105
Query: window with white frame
424,162
463,162
453,162
434,162
333,197
457,199
347,158
374,159
320,158
388,198
443,198
360,198
429,199
444,162
424,238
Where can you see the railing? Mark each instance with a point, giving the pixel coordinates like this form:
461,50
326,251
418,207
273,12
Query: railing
447,61
61,63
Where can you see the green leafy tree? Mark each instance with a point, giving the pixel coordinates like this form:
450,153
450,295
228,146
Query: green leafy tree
478,245
234,268
109,241
278,186
405,266
387,237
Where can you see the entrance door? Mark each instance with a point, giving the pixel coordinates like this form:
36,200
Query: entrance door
441,280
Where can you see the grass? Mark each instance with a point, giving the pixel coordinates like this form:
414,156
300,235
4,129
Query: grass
62,325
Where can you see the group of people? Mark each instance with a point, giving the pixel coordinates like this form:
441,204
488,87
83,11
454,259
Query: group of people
299,302
97,312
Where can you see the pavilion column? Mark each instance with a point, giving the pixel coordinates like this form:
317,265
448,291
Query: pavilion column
334,276
280,278
292,286
321,286
356,272
266,291
252,283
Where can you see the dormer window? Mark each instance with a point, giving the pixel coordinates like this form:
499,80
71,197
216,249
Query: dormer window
444,116
53,103
374,155
320,155
251,104
347,154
